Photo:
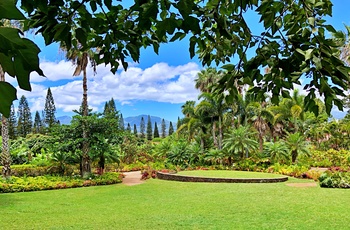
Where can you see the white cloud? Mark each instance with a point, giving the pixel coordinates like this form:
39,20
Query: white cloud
160,82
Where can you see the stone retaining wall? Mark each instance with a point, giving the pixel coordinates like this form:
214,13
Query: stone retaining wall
175,177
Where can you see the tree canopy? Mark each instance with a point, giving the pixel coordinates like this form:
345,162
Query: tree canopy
294,41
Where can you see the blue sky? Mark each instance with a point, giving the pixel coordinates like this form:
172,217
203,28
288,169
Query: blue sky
158,85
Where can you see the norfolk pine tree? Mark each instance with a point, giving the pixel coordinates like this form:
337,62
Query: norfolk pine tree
128,128
121,122
49,110
142,128
156,132
149,128
171,128
163,128
24,124
135,130
37,127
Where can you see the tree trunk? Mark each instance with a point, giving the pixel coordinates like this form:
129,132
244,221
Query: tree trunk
5,156
86,167
220,133
294,156
214,134
261,142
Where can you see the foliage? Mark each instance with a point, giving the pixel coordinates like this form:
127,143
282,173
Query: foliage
156,132
149,128
171,129
163,129
50,109
142,128
327,158
297,144
25,184
335,179
239,141
276,151
34,170
24,124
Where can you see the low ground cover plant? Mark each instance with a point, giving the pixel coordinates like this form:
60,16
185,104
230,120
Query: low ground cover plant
25,184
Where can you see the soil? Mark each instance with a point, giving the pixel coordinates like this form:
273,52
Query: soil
302,185
132,178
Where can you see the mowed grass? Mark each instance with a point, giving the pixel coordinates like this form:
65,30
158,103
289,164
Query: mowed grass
228,174
159,204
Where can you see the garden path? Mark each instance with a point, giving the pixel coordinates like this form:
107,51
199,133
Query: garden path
132,178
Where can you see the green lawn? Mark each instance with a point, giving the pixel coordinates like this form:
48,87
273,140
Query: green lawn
228,174
159,204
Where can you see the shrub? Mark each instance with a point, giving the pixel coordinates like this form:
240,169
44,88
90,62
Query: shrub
33,170
23,184
337,179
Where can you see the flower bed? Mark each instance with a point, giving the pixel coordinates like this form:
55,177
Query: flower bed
25,184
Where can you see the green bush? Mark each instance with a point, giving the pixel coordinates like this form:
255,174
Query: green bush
331,179
33,170
25,184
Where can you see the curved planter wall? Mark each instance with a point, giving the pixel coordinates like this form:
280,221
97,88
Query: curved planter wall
175,177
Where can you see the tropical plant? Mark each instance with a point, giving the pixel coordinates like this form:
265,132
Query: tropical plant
240,141
276,151
297,144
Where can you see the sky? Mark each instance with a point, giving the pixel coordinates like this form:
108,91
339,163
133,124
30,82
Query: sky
158,85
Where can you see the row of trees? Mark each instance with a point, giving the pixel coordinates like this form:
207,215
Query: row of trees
22,124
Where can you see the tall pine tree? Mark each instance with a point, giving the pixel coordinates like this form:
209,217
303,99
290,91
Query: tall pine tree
12,123
163,128
49,110
171,128
24,124
156,132
121,122
128,128
110,110
37,127
149,128
135,130
178,124
142,128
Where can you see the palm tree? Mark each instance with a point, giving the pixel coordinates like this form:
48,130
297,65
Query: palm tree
81,60
213,106
5,156
297,144
261,117
277,151
239,141
206,78
290,110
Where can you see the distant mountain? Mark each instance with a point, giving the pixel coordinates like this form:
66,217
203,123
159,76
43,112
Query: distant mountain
137,120
64,120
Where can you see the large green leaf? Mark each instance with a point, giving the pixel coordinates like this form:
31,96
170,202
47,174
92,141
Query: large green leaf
10,40
9,10
6,101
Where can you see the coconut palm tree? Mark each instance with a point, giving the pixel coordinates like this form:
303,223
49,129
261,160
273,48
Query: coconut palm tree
81,59
5,155
206,78
213,106
261,116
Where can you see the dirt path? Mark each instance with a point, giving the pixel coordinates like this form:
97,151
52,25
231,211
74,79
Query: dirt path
302,185
132,178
